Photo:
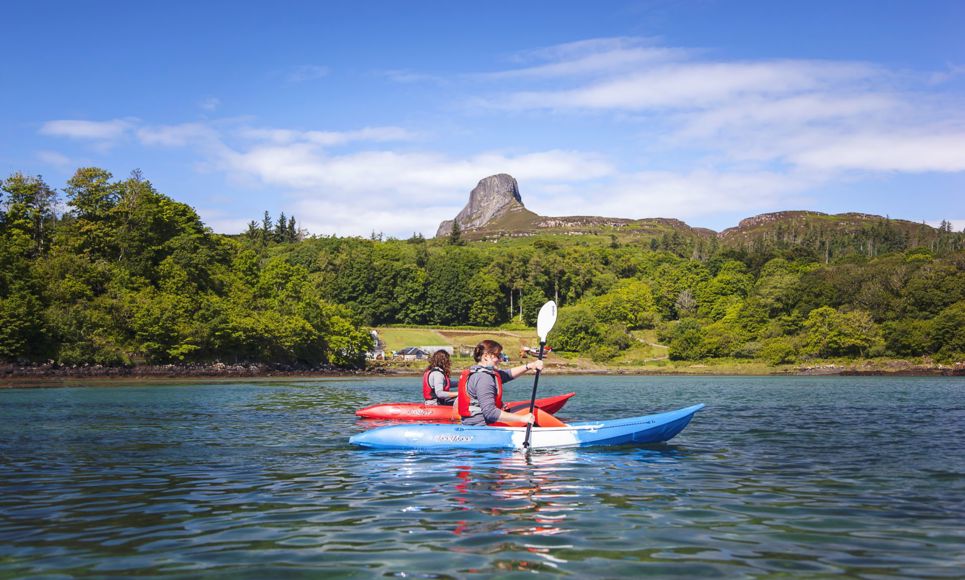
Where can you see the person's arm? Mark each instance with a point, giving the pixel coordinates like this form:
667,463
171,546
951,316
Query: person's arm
487,402
523,369
437,381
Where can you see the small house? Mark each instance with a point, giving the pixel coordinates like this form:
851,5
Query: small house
411,353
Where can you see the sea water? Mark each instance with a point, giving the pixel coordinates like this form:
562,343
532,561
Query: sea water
778,476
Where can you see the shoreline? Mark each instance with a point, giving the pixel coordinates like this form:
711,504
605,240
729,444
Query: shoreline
17,376
20,376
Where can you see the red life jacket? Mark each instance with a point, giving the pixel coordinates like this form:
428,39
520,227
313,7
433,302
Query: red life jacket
428,393
463,401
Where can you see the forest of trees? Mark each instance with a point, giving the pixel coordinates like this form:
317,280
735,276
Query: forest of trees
125,275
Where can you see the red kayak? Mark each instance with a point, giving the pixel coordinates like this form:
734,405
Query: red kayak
446,413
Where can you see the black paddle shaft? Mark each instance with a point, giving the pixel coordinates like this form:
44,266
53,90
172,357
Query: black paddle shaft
532,399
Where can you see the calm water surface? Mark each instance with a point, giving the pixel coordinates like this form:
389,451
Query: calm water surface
776,477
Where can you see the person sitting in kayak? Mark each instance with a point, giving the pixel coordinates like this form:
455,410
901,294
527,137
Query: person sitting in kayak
436,386
480,390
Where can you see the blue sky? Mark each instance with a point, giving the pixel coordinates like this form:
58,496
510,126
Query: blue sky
382,116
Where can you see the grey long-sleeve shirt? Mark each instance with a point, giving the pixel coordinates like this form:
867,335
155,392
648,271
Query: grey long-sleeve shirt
437,380
481,386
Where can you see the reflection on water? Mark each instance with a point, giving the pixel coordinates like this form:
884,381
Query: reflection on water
777,477
532,491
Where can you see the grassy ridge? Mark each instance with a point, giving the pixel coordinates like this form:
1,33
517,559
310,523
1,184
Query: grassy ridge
399,338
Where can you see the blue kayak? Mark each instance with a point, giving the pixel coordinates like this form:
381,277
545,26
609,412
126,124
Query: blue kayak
645,429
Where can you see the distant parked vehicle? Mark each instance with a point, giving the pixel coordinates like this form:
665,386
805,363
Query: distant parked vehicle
534,351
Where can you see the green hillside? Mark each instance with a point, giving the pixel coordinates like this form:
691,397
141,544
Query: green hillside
126,275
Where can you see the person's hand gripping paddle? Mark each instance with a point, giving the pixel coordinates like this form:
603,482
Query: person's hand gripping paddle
544,323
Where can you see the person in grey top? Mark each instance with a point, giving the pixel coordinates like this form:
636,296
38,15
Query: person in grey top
436,387
481,387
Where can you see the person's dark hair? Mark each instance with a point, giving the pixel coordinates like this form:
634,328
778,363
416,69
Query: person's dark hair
440,359
486,347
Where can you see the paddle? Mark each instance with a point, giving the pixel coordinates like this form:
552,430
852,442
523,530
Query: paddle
544,323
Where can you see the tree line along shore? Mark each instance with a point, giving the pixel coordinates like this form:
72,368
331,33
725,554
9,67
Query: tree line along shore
111,274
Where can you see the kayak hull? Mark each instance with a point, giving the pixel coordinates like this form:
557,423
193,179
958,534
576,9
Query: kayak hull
445,413
655,428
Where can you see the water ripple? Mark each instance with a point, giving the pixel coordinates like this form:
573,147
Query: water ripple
776,477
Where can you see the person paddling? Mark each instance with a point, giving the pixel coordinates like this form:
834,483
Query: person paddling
436,386
480,389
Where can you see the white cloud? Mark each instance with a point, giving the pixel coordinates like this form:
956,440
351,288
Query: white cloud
394,192
306,72
177,135
679,195
327,138
360,217
684,86
210,103
420,176
89,130
404,76
951,72
589,57
692,136
785,114
909,152
821,116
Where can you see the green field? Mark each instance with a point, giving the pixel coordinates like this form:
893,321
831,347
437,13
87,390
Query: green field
644,357
462,340
399,338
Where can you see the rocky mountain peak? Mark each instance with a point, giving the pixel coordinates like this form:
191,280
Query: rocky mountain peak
492,197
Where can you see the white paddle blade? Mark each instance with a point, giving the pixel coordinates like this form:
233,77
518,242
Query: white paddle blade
546,320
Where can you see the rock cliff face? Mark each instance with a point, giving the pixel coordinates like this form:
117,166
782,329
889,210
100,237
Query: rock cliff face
496,210
492,198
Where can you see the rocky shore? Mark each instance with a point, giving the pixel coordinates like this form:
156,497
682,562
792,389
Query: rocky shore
23,375
13,373
891,368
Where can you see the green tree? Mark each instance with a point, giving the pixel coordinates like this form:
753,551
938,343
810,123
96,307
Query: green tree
281,229
266,228
576,330
455,234
449,275
908,337
686,341
30,209
613,339
162,324
533,299
21,328
933,287
832,333
486,300
411,295
630,303
780,350
291,232
92,197
949,333
776,289
716,295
